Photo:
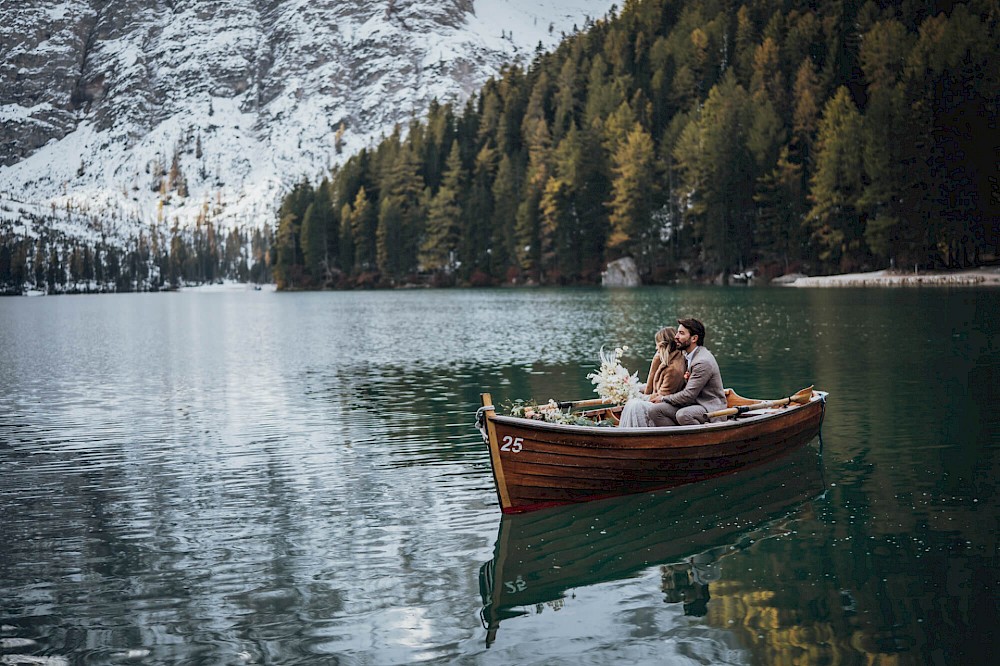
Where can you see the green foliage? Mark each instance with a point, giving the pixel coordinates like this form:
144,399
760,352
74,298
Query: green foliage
548,412
153,259
389,235
444,218
837,136
319,235
632,194
289,259
363,223
837,184
780,209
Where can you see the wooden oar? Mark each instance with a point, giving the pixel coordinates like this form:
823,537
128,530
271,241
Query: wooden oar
800,398
572,404
590,402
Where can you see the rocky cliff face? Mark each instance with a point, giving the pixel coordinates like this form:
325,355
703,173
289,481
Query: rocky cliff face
139,111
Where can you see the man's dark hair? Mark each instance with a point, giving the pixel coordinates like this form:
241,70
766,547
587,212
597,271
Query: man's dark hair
694,327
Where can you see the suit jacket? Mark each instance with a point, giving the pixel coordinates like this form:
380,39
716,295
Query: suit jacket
704,384
666,378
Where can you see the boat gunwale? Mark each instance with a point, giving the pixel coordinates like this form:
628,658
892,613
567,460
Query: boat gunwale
615,431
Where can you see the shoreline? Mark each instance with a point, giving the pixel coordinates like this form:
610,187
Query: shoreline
973,277
976,277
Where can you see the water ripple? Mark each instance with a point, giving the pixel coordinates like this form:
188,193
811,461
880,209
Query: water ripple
264,478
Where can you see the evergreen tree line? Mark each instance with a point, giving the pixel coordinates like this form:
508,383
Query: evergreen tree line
150,261
695,136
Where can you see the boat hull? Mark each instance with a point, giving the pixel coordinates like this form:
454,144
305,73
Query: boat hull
537,464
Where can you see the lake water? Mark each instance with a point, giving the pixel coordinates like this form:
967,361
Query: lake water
249,477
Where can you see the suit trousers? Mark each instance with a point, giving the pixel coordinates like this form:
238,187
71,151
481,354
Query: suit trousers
665,414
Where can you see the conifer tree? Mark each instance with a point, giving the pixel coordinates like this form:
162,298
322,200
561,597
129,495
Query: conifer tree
76,264
490,111
401,179
514,94
99,268
804,41
780,204
318,224
805,116
602,97
6,263
591,189
478,242
661,73
566,98
263,243
558,230
951,79
538,141
389,236
699,61
687,164
617,127
346,256
210,258
526,228
88,265
684,89
178,254
113,269
717,172
836,184
767,133
768,81
313,241
884,49
444,218
563,229
506,194
362,220
632,196
289,262
19,265
40,265
467,132
440,130
618,50
743,49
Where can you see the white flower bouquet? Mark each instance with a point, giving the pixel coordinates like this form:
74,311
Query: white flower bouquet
613,382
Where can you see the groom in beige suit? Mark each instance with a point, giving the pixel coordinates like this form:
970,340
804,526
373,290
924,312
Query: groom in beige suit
703,391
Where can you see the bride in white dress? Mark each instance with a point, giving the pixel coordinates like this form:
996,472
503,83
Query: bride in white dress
666,376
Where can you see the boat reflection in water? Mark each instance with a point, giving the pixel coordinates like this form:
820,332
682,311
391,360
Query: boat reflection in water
542,554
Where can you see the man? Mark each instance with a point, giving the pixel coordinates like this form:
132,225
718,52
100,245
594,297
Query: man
703,391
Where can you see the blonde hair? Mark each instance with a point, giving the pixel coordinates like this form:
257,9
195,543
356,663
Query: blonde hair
666,336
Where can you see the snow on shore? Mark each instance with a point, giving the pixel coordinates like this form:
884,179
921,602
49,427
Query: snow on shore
887,278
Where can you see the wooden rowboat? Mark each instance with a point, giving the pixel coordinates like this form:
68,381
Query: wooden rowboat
536,463
540,556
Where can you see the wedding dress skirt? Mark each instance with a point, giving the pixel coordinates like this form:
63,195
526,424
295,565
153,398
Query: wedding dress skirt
635,414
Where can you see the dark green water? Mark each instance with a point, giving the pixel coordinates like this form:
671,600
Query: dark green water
260,478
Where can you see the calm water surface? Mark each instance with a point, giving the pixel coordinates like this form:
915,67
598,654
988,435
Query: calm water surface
262,478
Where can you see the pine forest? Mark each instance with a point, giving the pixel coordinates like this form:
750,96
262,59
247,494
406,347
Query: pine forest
701,138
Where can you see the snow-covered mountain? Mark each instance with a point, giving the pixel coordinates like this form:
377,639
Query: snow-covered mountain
120,113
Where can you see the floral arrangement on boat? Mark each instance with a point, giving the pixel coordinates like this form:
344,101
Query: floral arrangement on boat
613,382
550,412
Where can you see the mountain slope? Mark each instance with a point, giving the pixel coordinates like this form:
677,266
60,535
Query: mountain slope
119,114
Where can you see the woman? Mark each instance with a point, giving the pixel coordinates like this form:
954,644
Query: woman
666,376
